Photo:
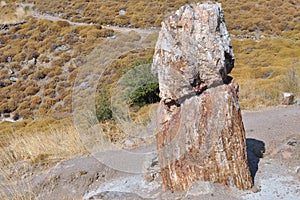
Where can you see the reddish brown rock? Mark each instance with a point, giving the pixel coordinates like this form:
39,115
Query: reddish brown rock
201,134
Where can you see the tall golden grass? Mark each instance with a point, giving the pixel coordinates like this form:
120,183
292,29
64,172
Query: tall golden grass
33,149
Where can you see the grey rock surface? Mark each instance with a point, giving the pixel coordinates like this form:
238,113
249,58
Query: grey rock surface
193,44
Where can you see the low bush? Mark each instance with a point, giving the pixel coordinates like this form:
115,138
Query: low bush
103,107
26,113
146,94
49,93
32,90
63,23
35,102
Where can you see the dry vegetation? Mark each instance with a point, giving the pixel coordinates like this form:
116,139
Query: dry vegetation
29,140
270,17
44,55
30,147
12,13
265,69
39,61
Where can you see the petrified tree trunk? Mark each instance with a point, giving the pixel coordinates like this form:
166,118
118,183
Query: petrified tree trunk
201,136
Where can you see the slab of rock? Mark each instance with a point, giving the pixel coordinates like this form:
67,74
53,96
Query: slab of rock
201,134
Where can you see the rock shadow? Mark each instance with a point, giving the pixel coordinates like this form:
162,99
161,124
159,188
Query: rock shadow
255,151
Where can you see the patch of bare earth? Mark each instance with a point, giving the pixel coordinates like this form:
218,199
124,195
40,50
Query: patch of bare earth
273,145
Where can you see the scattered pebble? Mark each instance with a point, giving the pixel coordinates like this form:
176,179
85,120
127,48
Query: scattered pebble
297,170
255,189
292,142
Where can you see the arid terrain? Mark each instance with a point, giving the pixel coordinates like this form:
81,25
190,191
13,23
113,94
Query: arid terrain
273,140
44,45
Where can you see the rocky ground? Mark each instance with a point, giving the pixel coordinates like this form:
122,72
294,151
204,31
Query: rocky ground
275,131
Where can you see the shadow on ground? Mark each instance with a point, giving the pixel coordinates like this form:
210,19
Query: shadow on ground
255,151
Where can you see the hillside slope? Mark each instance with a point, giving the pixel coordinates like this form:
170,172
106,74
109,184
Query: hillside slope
39,59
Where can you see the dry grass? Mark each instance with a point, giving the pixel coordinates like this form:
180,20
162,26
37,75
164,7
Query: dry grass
262,17
39,53
11,13
57,144
39,140
265,69
31,146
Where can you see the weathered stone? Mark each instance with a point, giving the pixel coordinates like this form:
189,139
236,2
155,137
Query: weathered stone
193,46
288,98
292,142
13,79
201,135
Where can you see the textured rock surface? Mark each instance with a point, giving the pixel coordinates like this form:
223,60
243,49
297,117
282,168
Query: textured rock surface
193,46
201,135
288,98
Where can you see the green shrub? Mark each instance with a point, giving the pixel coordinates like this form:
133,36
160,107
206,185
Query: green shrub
103,108
145,94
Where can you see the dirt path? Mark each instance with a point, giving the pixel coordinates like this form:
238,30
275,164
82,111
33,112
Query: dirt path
277,174
115,28
272,124
54,19
145,31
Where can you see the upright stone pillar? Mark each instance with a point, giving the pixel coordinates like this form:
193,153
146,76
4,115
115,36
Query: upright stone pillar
201,134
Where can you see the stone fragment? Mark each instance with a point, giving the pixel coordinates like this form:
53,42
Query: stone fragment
292,142
288,98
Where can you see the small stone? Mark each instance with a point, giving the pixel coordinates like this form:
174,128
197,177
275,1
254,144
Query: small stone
288,98
9,59
13,79
149,177
129,143
255,189
122,12
15,116
31,62
292,142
